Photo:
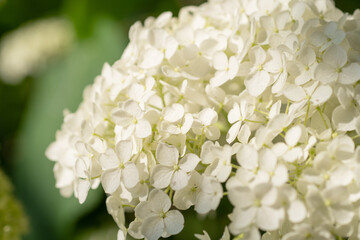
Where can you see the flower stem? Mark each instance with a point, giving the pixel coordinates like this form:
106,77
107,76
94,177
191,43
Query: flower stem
128,205
287,107
307,112
259,111
235,166
322,117
253,121
356,136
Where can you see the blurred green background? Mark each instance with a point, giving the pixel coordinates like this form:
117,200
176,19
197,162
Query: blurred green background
31,112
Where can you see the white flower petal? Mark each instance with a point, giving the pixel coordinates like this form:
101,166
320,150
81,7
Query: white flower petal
350,74
161,176
257,83
307,56
144,210
233,67
245,68
130,175
344,118
233,132
203,237
133,108
297,211
269,219
343,215
257,55
241,197
109,159
189,162
234,113
219,78
244,134
303,78
167,155
152,228
220,61
247,157
150,58
294,92
242,218
267,160
326,73
124,150
110,180
121,117
174,222
160,201
293,135
280,83
143,128
121,235
179,180
321,95
174,113
212,133
187,124
82,189
335,56
293,154
81,168
208,116
224,172
279,149
280,176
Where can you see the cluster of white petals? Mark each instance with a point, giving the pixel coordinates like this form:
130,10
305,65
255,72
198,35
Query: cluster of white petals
257,101
27,49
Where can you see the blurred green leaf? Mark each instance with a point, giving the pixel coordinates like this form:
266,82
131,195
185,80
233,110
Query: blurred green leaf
13,222
51,215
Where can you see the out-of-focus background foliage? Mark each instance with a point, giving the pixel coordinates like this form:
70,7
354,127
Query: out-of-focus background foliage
32,110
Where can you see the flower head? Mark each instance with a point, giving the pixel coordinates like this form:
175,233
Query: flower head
256,101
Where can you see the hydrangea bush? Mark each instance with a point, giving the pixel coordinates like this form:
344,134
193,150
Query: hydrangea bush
256,101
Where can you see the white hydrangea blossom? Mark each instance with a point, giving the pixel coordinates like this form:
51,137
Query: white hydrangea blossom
256,101
27,49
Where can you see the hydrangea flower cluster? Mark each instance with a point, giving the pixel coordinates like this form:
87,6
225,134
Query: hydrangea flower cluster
256,101
28,49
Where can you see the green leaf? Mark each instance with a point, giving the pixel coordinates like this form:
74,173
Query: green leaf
51,215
